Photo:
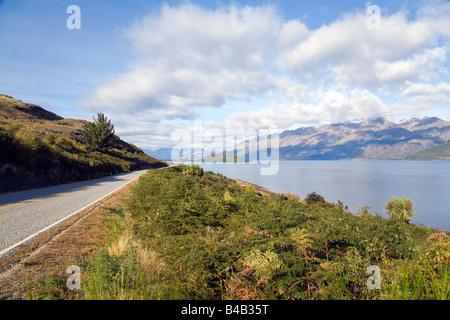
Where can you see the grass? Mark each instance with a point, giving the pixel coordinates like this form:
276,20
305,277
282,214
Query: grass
186,234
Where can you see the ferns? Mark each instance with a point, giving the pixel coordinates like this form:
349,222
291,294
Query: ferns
213,239
302,241
264,264
193,170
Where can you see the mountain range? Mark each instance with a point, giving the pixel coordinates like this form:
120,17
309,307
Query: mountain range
372,139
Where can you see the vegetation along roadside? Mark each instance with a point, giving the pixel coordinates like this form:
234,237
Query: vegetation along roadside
183,233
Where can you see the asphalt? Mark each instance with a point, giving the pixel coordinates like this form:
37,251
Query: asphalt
24,215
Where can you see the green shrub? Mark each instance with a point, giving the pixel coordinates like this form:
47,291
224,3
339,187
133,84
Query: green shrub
213,239
194,170
314,198
400,208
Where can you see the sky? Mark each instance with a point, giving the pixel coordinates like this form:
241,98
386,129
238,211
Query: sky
156,66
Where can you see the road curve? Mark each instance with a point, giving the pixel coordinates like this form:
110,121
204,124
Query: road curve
23,215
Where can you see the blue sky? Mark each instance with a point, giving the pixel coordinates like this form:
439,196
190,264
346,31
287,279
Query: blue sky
155,66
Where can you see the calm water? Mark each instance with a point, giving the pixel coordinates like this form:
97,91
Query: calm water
365,183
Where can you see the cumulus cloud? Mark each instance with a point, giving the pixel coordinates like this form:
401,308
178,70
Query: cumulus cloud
189,58
347,41
422,66
347,51
427,93
330,106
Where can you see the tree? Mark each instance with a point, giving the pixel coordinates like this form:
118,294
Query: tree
400,208
98,134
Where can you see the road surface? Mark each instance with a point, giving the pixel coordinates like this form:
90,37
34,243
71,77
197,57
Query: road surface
23,215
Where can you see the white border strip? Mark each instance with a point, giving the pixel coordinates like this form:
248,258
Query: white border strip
61,220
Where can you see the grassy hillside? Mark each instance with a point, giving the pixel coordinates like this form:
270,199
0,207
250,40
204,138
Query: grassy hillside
40,148
439,152
189,234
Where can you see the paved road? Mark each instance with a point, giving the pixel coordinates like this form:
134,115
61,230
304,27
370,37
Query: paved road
25,214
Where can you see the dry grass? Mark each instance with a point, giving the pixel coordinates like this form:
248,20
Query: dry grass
291,196
50,254
120,246
263,191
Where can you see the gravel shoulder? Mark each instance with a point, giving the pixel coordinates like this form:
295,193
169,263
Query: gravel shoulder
52,252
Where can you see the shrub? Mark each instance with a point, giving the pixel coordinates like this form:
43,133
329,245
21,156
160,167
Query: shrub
400,208
50,139
193,170
210,238
314,198
364,211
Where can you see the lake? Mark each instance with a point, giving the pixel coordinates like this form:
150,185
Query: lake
359,183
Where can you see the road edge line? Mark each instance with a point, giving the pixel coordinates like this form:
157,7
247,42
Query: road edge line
5,252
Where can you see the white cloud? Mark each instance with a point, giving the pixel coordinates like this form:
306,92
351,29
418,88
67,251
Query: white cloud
348,43
424,66
426,88
426,93
436,15
189,58
331,106
347,51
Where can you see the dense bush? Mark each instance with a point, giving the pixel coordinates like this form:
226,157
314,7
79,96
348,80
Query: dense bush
218,240
203,236
314,198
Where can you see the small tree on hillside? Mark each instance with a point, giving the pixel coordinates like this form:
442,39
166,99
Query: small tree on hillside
98,134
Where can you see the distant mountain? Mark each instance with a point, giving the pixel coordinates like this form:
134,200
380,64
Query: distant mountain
40,148
162,153
375,138
184,155
439,152
227,157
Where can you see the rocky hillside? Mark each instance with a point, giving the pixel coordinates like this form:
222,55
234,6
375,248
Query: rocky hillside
376,138
40,148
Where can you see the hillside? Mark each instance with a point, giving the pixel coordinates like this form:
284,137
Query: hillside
376,139
40,148
439,152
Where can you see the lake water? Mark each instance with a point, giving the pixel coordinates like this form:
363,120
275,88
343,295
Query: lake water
359,183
